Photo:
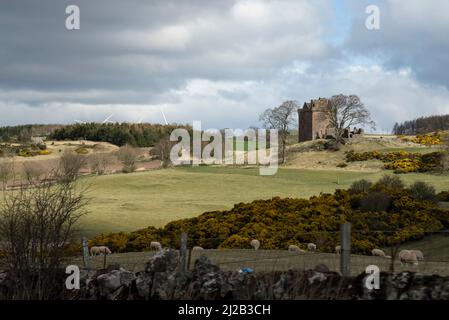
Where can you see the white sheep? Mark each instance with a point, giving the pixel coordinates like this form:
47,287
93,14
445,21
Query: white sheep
155,245
311,247
255,244
338,249
99,250
293,248
197,248
419,254
378,253
408,257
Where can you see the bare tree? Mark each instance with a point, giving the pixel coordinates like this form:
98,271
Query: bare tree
36,225
32,171
280,118
344,112
162,151
70,165
6,172
99,162
127,155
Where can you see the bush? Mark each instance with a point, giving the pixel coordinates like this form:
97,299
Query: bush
127,155
375,201
361,186
81,150
342,165
389,181
443,196
401,161
423,191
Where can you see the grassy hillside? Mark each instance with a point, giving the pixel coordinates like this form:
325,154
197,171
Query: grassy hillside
127,202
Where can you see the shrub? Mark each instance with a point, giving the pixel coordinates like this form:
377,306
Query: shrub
423,191
44,152
361,186
375,201
342,165
443,196
389,181
127,155
428,139
401,161
81,150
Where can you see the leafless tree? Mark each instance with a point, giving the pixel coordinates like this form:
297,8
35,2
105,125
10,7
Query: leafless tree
99,162
162,151
70,165
6,172
345,112
280,118
36,225
127,155
32,171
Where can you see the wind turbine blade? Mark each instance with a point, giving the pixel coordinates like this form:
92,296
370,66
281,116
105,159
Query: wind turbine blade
107,119
165,119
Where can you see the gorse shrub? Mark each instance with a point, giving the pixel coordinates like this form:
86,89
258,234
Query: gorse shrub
401,161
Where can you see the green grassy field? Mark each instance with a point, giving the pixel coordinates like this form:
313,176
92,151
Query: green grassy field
127,202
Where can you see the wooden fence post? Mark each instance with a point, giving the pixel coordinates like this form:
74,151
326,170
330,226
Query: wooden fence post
104,260
183,251
345,256
85,253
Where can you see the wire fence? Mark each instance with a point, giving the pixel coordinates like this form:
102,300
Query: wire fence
433,245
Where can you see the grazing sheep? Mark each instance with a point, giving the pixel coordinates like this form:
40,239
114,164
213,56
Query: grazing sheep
197,248
311,247
408,257
378,253
338,249
255,244
419,254
155,245
99,250
293,248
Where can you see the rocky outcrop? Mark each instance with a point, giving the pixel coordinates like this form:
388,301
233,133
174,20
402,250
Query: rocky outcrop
163,279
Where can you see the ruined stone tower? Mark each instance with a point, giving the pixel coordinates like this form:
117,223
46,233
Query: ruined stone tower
313,122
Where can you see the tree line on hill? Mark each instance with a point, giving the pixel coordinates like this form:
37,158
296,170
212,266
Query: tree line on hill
422,125
23,133
120,134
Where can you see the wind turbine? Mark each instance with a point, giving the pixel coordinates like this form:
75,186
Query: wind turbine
165,119
107,119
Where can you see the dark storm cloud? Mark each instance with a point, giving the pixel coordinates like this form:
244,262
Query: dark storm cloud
149,46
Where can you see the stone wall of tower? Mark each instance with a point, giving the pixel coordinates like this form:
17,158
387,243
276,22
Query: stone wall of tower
313,123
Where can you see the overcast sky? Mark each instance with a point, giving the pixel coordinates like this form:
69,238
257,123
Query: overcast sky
221,62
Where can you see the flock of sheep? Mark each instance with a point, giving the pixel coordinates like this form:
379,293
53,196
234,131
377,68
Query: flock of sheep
405,256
